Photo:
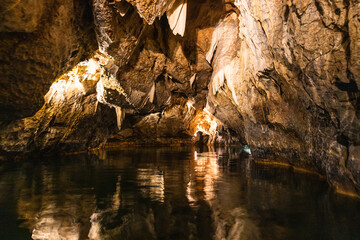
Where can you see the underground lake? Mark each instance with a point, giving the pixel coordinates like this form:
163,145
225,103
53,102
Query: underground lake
169,193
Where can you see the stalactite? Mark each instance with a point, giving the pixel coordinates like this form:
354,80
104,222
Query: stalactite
152,93
120,115
192,79
177,17
211,52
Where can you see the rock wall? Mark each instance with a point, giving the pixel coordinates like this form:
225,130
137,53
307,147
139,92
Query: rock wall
39,41
279,76
288,74
71,119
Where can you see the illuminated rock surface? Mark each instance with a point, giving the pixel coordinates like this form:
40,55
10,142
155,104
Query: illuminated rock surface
280,77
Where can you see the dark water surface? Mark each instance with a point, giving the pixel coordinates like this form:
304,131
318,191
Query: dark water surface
169,193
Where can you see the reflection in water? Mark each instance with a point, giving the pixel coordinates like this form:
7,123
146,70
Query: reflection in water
229,223
50,206
203,176
151,183
168,193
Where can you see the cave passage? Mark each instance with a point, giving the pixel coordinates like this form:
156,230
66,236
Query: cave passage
199,100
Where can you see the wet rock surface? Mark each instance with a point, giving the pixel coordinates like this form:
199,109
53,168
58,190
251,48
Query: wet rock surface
281,77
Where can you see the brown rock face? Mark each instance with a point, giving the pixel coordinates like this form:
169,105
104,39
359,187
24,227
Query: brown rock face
149,9
22,16
39,40
71,119
290,83
282,77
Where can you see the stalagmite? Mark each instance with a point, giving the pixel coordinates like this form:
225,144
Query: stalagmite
177,17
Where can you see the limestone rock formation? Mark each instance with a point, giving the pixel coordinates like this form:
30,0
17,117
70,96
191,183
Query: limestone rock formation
70,120
280,76
39,41
290,83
